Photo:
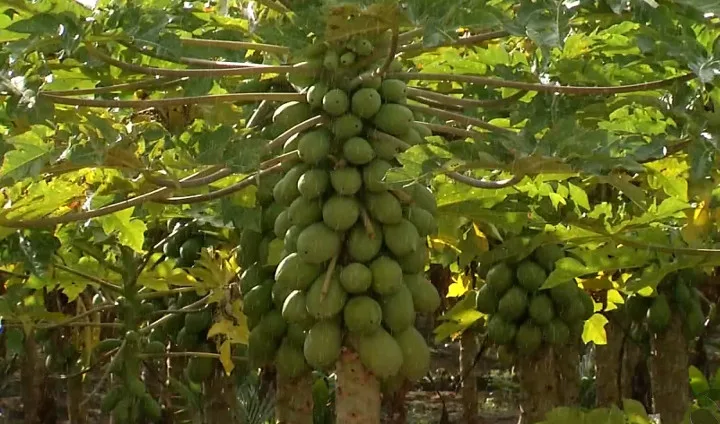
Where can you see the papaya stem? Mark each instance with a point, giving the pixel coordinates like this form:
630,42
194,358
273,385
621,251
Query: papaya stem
465,41
391,53
154,195
259,115
402,196
385,137
461,132
197,198
367,223
462,103
436,104
149,82
561,89
102,283
463,119
285,157
328,277
491,185
297,129
162,320
106,374
78,317
176,101
236,45
245,71
165,293
192,61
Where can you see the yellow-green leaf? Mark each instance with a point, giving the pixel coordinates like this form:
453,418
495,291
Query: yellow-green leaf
226,357
594,330
130,231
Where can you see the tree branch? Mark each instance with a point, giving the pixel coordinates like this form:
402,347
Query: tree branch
391,53
463,119
236,45
259,115
192,61
78,317
177,101
256,70
460,132
161,321
563,89
149,82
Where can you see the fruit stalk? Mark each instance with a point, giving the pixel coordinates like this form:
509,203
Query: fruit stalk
668,368
357,392
294,399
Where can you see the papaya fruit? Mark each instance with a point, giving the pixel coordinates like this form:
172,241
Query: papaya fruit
331,60
198,321
111,399
154,347
296,273
588,305
303,212
185,339
513,304
384,149
416,354
135,386
373,82
564,294
327,305
347,126
291,236
294,308
258,300
423,220
365,103
548,255
659,314
346,181
361,246
380,353
107,345
251,277
322,344
387,276
171,248
363,47
393,119
541,309
500,331
556,332
426,298
423,197
393,90
637,307
200,368
282,223
340,212
315,94
486,301
530,275
413,137
280,292
290,114
398,311
265,185
296,334
247,253
401,238
335,102
362,315
314,146
694,322
682,295
384,207
422,130
273,325
313,183
358,151
318,243
374,175
290,360
528,338
151,409
415,261
190,250
270,214
355,278
573,311
285,191
347,59
500,278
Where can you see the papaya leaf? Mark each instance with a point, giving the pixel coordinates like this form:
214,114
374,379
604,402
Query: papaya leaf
698,382
129,230
32,151
635,412
610,415
594,330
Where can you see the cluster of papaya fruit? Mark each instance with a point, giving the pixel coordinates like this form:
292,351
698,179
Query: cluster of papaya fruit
676,293
354,248
185,242
522,315
128,400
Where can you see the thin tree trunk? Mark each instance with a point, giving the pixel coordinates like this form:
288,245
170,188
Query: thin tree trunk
76,412
38,403
468,352
631,357
358,392
567,361
294,400
608,362
538,393
669,372
217,410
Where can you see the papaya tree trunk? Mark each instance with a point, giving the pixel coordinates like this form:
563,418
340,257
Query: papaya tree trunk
394,404
468,352
294,400
357,396
217,409
567,360
39,405
538,393
76,412
609,360
669,372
